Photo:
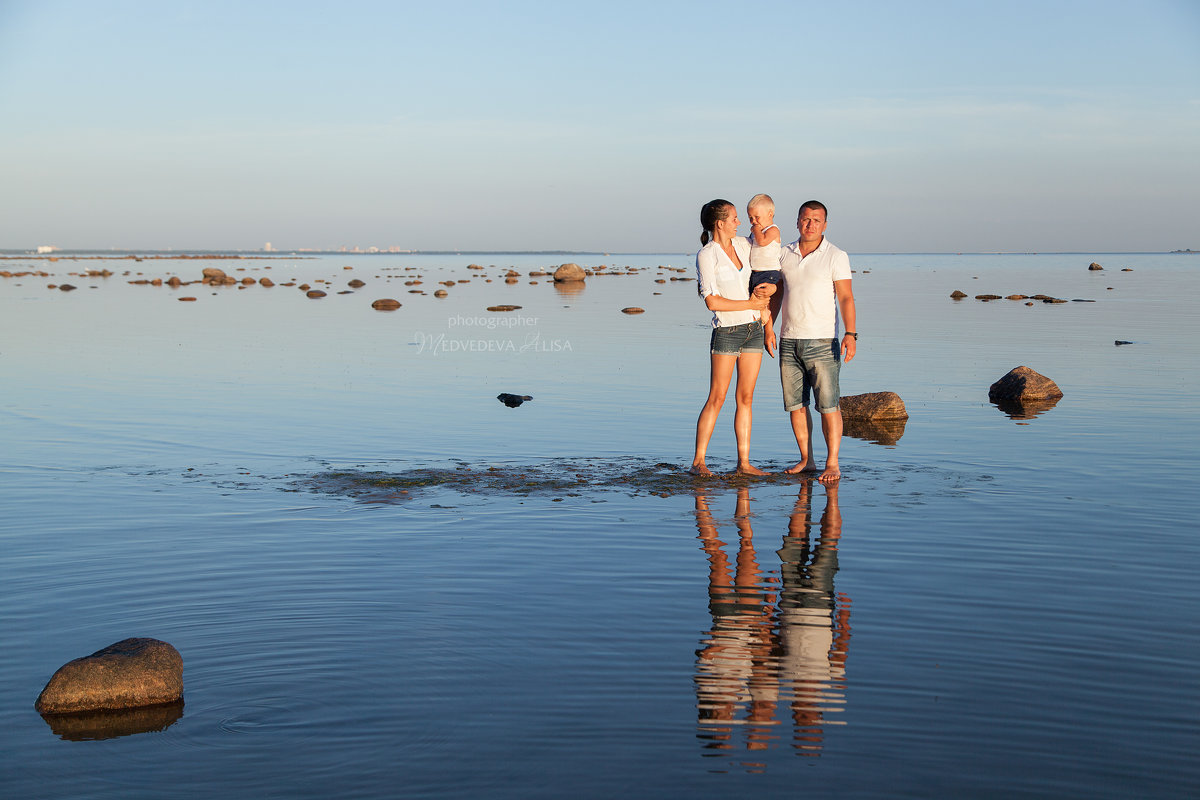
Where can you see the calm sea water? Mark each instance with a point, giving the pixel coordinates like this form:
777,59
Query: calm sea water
989,606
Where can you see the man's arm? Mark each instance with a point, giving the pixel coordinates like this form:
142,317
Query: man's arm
845,301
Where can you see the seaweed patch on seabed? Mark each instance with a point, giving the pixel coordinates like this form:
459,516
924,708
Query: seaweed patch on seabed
558,478
554,477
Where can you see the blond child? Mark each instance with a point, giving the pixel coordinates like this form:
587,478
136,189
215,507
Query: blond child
765,246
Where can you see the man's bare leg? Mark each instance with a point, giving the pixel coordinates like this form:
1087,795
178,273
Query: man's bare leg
831,427
802,429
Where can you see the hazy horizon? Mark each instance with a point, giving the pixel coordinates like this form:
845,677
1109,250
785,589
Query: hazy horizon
1059,126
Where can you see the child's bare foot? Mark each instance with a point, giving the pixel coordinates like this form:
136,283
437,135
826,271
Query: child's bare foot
700,469
750,469
801,466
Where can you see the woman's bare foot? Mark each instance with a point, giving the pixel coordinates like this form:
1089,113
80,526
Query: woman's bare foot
700,469
750,469
831,474
801,466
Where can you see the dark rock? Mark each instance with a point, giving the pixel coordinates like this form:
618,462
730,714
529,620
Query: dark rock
92,726
1016,297
873,405
213,275
1094,267
569,272
1120,342
957,295
267,282
66,287
512,400
1054,300
441,293
1023,384
314,294
633,310
1077,300
187,299
986,297
502,308
356,284
127,674
1127,269
385,304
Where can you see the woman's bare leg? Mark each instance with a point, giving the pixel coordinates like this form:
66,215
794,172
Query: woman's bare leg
720,373
748,365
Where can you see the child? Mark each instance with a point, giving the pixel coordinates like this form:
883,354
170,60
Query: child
764,256
764,244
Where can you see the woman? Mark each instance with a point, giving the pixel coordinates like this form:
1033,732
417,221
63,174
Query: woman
723,270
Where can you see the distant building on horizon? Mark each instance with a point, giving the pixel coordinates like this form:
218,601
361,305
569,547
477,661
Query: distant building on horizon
47,248
267,248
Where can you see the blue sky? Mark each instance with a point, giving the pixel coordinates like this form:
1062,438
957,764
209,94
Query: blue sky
925,126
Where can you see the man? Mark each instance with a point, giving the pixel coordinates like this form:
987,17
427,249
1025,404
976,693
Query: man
816,287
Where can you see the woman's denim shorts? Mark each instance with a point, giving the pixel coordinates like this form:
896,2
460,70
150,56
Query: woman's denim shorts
737,339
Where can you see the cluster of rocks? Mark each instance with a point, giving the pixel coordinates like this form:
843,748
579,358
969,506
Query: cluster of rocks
568,279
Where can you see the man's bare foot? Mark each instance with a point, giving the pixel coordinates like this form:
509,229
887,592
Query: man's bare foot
801,466
700,469
750,469
831,474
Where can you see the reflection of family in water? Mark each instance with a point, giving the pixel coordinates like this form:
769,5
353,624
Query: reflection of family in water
778,642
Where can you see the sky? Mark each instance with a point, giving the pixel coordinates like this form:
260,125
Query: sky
924,126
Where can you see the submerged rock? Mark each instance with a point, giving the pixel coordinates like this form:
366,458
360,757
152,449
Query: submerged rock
1120,342
92,726
1023,384
873,405
512,400
127,674
879,431
502,308
633,310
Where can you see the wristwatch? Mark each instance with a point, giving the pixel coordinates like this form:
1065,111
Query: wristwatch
852,333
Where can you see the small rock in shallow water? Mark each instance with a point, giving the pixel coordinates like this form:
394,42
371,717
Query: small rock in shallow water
633,310
1023,383
1120,342
385,304
957,295
502,308
1093,267
314,294
512,400
873,405
127,674
569,272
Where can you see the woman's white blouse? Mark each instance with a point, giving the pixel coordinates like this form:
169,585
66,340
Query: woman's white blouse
718,275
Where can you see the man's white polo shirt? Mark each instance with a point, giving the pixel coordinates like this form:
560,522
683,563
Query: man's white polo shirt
810,309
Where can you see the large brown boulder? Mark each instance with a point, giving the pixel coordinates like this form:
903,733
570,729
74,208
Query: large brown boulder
569,272
128,674
214,276
873,405
1023,384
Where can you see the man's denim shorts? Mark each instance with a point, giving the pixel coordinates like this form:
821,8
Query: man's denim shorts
737,339
808,367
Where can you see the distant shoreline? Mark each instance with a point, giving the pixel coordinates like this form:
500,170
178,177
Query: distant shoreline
113,254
